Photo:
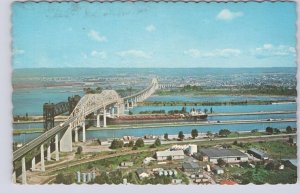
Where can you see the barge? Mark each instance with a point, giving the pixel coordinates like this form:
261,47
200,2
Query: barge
159,118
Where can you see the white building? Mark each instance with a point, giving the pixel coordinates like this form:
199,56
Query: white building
174,155
192,149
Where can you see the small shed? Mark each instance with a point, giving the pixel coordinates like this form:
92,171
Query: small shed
218,170
126,164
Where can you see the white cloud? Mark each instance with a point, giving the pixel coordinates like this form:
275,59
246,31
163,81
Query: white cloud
18,51
270,50
101,55
227,52
96,36
228,15
150,28
134,53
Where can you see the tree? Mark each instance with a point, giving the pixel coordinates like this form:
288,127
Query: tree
224,132
139,143
289,129
276,131
194,133
166,136
180,135
254,130
205,110
130,113
235,142
60,178
157,142
131,143
221,162
209,134
211,110
269,130
116,143
98,90
79,150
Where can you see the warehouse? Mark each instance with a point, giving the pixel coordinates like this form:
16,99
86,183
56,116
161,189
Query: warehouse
228,155
258,154
173,155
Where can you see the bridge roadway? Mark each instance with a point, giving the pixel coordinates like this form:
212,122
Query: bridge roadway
19,153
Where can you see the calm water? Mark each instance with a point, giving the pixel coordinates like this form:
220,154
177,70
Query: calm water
219,98
223,109
212,118
161,130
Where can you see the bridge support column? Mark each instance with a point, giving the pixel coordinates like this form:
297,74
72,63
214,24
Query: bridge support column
98,120
14,177
113,111
83,132
33,164
76,134
49,153
42,158
56,148
66,141
24,180
104,117
127,105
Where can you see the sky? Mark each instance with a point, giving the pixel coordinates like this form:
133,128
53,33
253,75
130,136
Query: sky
154,35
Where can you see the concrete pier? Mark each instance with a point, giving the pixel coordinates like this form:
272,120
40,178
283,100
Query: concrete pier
98,120
49,153
33,164
104,117
24,180
14,177
42,158
56,148
83,132
66,140
76,134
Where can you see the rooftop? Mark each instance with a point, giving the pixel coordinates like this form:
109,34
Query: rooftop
190,165
214,152
170,153
259,152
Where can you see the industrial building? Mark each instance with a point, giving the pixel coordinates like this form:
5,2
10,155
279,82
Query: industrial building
258,154
173,155
228,155
191,167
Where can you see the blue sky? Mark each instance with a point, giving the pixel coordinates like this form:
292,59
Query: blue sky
154,35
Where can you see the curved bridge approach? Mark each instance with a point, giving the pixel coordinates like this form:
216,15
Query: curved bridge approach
106,104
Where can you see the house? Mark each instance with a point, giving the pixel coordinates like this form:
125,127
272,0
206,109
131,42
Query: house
228,155
142,173
176,181
126,164
147,160
190,167
258,154
218,169
173,155
292,163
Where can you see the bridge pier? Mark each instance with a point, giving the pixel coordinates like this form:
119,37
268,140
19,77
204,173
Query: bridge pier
56,148
42,158
66,140
33,164
83,132
14,177
76,134
98,120
24,180
113,111
127,104
49,152
104,117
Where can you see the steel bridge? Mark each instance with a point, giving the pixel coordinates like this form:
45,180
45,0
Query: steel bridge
106,104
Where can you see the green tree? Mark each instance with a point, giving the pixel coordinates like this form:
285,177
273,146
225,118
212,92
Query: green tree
276,131
139,143
180,135
194,133
166,136
205,110
157,142
116,143
79,150
254,130
131,143
269,130
221,162
60,178
98,90
130,113
224,132
289,129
